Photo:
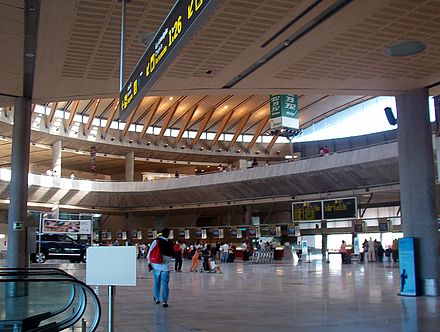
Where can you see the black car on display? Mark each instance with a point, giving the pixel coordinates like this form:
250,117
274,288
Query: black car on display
59,246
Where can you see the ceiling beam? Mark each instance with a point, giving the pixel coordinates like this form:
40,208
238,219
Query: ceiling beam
188,117
52,113
92,115
111,117
225,121
171,112
271,144
130,120
244,120
72,114
149,117
263,123
206,119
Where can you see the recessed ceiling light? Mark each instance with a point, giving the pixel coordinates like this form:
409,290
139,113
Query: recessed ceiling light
226,107
171,98
405,48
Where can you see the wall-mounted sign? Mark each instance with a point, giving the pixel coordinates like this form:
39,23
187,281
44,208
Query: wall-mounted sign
284,112
239,233
291,230
187,234
106,235
121,235
215,233
272,231
18,226
136,235
344,208
307,211
199,233
181,233
359,227
184,19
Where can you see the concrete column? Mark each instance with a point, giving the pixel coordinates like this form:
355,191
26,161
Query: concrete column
417,186
129,166
18,189
56,158
248,214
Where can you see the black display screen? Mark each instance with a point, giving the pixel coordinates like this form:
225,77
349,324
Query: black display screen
340,208
307,211
173,32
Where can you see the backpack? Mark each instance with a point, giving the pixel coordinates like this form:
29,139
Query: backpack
156,255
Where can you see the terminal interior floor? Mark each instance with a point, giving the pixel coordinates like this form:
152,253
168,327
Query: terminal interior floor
282,296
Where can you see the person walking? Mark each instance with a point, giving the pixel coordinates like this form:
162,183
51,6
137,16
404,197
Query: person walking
178,257
161,271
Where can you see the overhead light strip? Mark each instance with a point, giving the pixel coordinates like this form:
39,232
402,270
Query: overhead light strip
326,14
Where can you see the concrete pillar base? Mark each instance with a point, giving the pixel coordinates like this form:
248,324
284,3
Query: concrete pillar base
430,287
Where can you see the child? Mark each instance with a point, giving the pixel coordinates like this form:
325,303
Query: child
214,267
195,261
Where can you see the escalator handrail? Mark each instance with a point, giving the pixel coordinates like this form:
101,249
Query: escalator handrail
81,308
35,269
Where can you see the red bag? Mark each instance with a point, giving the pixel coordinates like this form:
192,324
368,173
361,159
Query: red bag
155,254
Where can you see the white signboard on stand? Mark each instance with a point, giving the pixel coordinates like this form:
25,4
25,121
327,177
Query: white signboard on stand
114,266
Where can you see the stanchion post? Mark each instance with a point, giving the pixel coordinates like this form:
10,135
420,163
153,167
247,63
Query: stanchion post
111,300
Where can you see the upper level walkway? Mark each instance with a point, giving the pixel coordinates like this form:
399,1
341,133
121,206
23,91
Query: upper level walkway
359,169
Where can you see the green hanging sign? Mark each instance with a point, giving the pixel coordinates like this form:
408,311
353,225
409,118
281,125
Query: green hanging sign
284,112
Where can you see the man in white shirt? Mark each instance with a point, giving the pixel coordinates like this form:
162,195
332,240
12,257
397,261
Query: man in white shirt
225,251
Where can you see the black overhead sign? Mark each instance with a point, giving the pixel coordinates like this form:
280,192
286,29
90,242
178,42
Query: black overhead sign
183,21
307,211
344,208
340,208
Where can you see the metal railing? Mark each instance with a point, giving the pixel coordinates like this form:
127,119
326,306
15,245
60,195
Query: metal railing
40,299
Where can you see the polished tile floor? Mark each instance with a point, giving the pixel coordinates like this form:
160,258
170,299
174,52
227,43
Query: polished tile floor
282,296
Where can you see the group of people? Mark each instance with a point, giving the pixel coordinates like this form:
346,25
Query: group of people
167,251
373,251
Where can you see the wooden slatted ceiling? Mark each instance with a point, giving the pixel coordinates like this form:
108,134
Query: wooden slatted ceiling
204,113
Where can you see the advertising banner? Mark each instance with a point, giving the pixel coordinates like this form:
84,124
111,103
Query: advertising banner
407,266
67,226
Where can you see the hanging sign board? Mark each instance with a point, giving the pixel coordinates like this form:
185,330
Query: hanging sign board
307,211
284,112
340,208
184,19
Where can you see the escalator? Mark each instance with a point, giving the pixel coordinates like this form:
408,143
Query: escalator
49,300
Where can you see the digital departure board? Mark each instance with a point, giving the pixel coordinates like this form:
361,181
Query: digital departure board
340,208
307,211
183,20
